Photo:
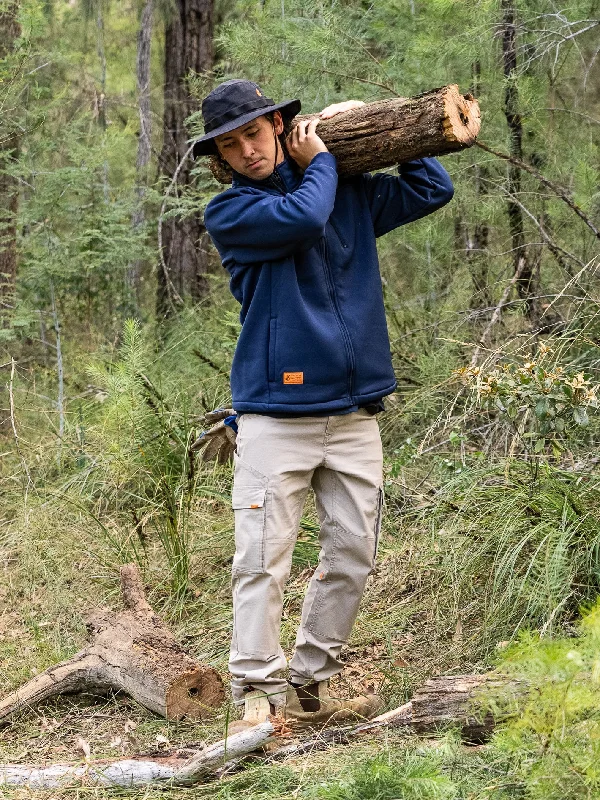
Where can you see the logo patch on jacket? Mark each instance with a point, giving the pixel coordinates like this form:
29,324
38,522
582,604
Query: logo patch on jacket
293,377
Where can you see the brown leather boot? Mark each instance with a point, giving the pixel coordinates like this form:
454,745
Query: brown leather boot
311,705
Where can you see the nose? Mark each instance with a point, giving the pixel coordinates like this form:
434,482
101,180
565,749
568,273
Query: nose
247,149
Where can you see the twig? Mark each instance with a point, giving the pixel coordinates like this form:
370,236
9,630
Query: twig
171,290
554,248
573,280
348,77
497,311
210,362
60,400
12,420
560,192
329,736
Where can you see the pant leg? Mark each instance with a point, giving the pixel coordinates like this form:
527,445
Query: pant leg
274,466
348,490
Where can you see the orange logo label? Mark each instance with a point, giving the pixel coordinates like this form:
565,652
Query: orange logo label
293,377
258,93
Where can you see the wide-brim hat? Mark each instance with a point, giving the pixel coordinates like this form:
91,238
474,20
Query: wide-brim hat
233,104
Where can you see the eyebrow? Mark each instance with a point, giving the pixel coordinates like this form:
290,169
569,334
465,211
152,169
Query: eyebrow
227,138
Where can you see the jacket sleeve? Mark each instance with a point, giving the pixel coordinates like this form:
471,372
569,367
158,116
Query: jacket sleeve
421,187
251,226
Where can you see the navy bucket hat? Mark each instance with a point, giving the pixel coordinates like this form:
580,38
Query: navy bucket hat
232,104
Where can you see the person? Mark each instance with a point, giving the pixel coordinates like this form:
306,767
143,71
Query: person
310,371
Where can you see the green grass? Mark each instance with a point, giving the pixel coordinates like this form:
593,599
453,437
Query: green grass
475,548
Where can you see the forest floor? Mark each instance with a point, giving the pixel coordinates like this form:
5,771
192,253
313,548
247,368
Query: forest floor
55,567
476,550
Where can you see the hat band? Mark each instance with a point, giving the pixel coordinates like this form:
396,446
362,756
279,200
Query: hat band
236,112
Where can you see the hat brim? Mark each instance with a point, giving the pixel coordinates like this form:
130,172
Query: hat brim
205,145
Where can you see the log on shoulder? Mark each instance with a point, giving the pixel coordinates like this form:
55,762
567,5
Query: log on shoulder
389,132
130,651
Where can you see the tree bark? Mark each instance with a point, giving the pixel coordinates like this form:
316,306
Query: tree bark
188,49
144,148
521,266
388,132
131,651
10,30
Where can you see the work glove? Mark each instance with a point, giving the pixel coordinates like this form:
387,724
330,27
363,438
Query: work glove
219,440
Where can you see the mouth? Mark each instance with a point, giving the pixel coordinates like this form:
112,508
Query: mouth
255,164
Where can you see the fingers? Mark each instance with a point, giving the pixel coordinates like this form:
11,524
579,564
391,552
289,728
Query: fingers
312,127
339,108
303,129
304,143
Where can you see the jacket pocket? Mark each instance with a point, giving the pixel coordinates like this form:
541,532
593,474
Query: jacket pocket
273,350
248,503
338,233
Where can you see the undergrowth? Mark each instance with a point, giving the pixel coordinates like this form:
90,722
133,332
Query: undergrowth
484,536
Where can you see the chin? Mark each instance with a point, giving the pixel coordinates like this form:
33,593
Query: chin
258,174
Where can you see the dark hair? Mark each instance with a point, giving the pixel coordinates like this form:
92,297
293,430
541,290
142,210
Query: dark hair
287,127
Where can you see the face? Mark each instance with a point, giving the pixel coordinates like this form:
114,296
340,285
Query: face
252,149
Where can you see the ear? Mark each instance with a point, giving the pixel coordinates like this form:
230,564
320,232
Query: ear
278,122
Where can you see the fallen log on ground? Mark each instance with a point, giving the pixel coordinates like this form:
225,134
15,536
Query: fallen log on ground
441,701
389,132
167,771
131,651
458,700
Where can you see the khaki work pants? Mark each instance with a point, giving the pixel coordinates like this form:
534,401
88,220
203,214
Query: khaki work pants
277,461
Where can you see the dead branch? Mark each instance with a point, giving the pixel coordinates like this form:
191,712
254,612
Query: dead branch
166,772
131,651
558,190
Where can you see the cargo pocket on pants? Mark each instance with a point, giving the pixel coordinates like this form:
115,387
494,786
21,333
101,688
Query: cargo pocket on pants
248,503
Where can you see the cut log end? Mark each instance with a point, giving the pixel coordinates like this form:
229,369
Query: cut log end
462,119
195,694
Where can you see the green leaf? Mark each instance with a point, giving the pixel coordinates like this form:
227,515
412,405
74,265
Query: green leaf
580,416
567,390
541,408
539,445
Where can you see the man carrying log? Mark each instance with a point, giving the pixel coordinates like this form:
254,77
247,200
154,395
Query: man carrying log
310,372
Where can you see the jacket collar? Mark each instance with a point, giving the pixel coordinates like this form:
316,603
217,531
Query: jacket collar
285,177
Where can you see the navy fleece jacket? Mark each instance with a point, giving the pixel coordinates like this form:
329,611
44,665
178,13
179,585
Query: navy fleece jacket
300,250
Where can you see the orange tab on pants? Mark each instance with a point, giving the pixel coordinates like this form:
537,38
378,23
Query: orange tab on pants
293,377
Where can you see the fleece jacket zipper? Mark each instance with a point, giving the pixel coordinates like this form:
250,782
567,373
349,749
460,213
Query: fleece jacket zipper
278,182
338,314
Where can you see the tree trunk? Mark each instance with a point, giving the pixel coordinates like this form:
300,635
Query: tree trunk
526,282
144,149
476,243
388,132
188,49
131,651
10,30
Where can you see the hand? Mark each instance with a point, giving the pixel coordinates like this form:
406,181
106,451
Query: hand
339,108
218,442
303,144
